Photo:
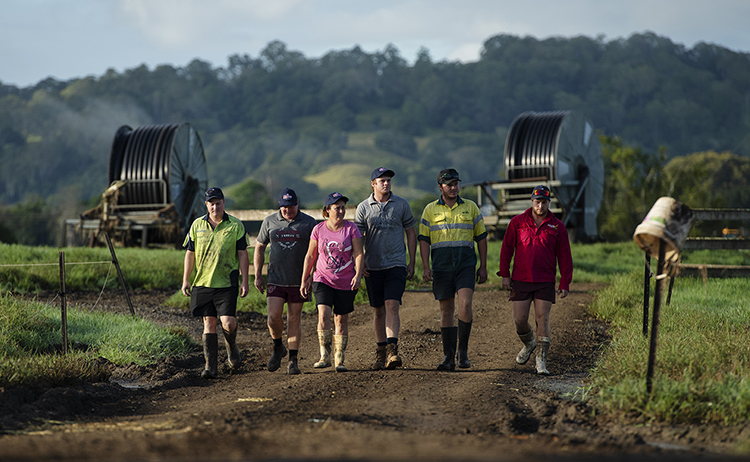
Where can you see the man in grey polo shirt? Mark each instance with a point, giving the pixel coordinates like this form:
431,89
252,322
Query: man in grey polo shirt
382,219
288,232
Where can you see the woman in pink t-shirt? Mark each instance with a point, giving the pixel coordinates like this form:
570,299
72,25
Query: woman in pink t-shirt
334,257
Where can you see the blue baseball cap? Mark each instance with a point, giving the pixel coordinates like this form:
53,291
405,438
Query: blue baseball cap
382,171
335,197
287,197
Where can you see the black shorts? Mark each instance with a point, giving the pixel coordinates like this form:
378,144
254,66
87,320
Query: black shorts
342,301
445,284
521,291
387,284
209,301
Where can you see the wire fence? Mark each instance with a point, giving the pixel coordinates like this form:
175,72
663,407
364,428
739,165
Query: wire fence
61,293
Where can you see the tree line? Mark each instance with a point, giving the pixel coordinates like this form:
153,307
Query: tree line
282,118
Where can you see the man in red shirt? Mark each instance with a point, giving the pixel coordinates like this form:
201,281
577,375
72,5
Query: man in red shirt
540,243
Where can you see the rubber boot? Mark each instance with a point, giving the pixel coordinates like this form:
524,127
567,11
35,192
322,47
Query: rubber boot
279,351
379,359
233,354
211,353
324,339
293,368
462,353
528,347
450,335
339,347
541,355
393,360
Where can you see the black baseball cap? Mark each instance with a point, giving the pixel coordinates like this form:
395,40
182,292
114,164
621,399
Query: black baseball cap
335,197
382,171
447,175
541,192
214,193
287,197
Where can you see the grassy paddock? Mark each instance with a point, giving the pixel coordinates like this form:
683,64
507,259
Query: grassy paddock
31,344
142,268
702,371
702,368
149,269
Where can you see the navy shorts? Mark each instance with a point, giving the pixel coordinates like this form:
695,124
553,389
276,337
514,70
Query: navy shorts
342,301
289,294
209,301
387,284
445,284
521,291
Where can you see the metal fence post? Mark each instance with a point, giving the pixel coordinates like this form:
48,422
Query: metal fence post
119,273
658,289
63,307
646,292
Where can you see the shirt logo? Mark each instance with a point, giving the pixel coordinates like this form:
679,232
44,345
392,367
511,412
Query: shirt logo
286,237
552,226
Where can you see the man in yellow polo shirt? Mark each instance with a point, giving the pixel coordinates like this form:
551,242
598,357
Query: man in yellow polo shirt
217,249
447,232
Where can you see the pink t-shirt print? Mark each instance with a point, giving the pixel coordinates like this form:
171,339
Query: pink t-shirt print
335,266
336,256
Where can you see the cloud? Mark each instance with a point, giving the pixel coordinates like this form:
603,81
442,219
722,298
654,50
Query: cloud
173,24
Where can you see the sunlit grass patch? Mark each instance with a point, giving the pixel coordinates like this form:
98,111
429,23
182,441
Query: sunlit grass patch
31,344
702,368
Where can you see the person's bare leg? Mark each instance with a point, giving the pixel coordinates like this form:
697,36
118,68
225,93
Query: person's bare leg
523,329
275,306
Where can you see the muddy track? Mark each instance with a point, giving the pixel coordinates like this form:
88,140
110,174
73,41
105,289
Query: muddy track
496,410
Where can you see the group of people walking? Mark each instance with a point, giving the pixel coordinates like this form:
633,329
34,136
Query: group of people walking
329,259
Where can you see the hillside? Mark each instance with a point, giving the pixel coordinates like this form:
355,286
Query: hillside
281,119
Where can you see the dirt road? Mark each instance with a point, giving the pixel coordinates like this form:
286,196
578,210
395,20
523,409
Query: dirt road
496,410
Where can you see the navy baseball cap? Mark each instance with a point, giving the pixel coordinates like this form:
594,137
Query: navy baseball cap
214,193
335,197
287,197
541,192
447,175
382,171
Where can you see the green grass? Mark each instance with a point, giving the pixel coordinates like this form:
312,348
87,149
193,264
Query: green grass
31,344
87,269
702,365
702,368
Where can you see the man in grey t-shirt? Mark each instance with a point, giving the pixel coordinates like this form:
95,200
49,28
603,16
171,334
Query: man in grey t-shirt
383,218
288,232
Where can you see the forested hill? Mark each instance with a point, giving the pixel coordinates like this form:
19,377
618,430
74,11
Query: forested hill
318,124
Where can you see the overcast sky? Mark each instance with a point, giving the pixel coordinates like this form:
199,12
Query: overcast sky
74,38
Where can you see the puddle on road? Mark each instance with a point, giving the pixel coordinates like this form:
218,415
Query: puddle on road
130,384
569,386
